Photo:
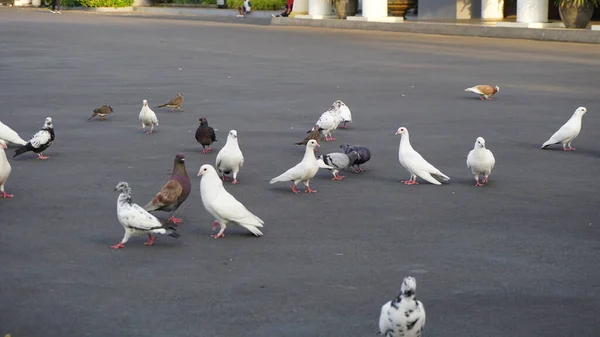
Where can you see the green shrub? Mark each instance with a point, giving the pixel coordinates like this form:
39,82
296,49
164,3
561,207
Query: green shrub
70,3
106,3
209,2
258,5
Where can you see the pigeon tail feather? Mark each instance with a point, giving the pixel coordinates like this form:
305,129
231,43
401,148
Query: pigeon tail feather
25,148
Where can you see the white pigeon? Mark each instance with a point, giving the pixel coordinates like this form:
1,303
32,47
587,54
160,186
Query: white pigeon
230,159
330,120
304,171
481,161
223,206
136,220
4,170
414,163
568,132
337,161
9,135
147,117
345,114
403,316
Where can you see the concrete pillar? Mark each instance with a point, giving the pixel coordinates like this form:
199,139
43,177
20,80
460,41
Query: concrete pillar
531,11
300,8
375,10
492,9
319,9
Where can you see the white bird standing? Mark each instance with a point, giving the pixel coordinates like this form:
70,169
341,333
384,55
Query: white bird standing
230,159
136,220
147,117
330,120
403,316
345,115
481,161
10,135
568,132
4,170
414,163
223,206
304,171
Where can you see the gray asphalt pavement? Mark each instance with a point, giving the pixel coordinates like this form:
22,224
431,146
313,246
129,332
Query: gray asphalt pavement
518,257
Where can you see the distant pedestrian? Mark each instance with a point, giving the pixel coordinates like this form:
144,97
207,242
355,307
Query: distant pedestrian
287,11
55,7
244,9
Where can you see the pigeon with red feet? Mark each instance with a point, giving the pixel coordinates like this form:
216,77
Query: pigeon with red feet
414,163
136,220
364,156
147,117
230,159
4,170
481,161
303,171
224,207
336,162
330,120
484,91
345,114
174,192
568,132
205,135
40,141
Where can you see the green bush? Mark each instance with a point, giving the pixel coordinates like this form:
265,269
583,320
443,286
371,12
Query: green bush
258,5
106,3
70,3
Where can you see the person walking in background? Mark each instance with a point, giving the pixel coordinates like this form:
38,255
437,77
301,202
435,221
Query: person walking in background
289,5
55,7
244,9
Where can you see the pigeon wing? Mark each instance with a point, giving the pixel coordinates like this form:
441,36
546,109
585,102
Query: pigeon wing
136,217
40,138
167,195
384,321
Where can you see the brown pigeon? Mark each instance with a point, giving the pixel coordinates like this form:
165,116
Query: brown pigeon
205,135
102,111
485,92
175,191
314,133
175,103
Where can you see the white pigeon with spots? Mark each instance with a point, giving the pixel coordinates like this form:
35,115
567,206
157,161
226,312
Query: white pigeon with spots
345,114
403,316
568,132
330,120
5,170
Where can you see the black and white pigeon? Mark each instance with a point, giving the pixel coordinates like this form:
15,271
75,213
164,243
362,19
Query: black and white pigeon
403,316
363,152
336,162
136,220
40,141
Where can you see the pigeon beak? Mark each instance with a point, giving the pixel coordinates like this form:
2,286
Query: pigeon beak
396,133
199,174
115,189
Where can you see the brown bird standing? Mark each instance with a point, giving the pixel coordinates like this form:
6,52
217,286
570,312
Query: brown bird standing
174,192
485,92
314,133
175,103
102,111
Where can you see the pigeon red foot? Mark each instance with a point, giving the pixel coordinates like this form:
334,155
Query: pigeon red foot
225,178
294,188
215,225
150,241
175,220
42,157
485,180
235,182
117,246
309,190
6,195
338,177
569,149
359,170
207,150
218,236
479,184
410,182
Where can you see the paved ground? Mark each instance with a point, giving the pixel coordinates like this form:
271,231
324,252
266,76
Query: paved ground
518,257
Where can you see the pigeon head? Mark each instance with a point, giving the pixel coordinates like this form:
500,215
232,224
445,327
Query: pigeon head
401,130
179,94
3,144
312,144
480,142
232,134
497,88
203,121
123,187
48,123
409,286
354,156
145,103
179,158
581,110
206,168
337,104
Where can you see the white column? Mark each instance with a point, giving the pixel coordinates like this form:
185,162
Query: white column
300,8
375,10
492,9
531,11
319,9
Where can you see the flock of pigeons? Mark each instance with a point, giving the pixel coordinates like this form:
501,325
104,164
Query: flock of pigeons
403,316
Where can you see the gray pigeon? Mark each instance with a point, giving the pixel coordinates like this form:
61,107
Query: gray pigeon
336,162
363,152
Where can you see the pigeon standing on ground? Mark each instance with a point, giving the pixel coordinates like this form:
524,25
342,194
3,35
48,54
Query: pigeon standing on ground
345,114
414,163
230,159
40,141
147,117
481,161
364,156
223,206
175,103
136,220
303,171
174,192
102,111
403,316
568,132
9,135
330,120
335,162
205,135
314,133
485,92
4,170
